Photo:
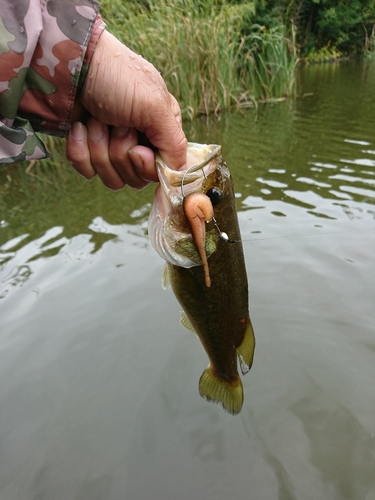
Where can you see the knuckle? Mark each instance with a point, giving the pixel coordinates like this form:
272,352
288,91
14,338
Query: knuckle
114,185
78,156
116,156
89,175
140,185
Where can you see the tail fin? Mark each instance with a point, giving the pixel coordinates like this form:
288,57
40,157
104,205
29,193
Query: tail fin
218,390
245,350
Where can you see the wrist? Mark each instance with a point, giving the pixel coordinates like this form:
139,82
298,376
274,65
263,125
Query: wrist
97,31
102,95
79,112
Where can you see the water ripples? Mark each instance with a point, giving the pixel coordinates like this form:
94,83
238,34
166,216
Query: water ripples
99,383
314,150
308,161
23,256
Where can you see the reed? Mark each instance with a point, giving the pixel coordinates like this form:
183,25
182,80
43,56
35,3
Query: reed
270,62
207,55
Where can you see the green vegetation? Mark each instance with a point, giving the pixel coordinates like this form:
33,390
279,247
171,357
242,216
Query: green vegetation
344,27
210,53
215,54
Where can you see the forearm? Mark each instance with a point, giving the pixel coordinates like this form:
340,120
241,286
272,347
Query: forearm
42,52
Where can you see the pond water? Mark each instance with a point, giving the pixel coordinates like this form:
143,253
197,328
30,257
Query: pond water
99,382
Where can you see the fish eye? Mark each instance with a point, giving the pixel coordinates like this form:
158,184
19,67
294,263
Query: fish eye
215,194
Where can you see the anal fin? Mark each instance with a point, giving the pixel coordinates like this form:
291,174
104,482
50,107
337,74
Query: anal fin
185,322
245,350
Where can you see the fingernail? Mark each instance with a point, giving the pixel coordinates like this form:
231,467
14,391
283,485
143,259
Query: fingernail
120,132
77,131
136,159
95,131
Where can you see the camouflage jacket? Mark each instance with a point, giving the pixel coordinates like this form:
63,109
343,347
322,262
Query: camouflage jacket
44,48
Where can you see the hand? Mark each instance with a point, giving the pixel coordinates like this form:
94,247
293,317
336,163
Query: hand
124,91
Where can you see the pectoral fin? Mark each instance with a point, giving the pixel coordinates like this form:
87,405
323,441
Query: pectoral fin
165,280
245,350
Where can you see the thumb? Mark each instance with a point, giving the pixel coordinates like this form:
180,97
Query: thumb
173,151
167,136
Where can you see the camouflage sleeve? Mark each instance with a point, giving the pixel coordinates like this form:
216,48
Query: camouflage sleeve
44,49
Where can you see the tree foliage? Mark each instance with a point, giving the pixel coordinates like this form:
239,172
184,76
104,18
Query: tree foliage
346,25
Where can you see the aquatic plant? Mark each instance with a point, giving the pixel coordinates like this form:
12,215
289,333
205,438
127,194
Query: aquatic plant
270,62
325,54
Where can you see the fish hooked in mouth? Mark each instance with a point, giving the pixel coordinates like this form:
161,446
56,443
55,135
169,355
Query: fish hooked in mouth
193,225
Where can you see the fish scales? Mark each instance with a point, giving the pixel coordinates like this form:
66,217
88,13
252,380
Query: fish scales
216,309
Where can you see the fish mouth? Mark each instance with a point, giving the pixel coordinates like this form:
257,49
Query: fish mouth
169,227
201,158
196,152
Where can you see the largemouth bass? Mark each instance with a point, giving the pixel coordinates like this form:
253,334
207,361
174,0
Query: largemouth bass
193,226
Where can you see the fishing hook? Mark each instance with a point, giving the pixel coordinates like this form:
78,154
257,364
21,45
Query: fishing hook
183,178
224,236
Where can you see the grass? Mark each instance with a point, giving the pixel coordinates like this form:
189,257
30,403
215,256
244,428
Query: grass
209,57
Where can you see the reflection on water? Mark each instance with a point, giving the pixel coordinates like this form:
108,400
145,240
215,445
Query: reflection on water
19,254
307,151
99,397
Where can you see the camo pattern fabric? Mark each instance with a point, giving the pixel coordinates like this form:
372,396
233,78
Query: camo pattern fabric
43,46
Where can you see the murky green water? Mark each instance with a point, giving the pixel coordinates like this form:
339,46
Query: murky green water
98,393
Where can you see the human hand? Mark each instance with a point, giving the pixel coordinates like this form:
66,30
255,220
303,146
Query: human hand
125,94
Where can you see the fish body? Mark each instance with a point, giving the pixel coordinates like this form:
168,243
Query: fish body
214,298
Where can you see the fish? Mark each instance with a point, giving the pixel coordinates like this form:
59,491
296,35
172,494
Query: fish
193,225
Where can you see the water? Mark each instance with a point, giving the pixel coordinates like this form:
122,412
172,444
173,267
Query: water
98,394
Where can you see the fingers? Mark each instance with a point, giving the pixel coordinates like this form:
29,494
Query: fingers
131,162
77,151
172,148
87,151
175,153
168,138
176,110
144,160
115,156
98,144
